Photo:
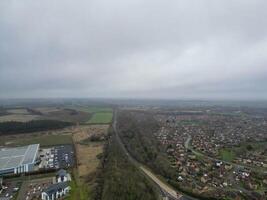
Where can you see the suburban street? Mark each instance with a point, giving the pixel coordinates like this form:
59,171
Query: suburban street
187,146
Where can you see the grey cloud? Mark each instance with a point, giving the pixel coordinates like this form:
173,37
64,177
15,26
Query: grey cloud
152,48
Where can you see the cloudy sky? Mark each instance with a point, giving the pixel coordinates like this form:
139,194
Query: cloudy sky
177,49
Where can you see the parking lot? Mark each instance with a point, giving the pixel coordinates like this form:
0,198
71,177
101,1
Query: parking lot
57,157
10,189
32,189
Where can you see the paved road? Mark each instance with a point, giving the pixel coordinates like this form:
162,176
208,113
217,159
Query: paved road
187,146
166,191
236,166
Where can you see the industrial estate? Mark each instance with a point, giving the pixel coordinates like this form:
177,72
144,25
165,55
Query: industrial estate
48,152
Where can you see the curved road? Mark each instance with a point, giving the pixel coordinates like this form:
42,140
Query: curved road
166,191
187,146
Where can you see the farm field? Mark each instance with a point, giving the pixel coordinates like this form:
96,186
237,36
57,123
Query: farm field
45,110
18,118
18,111
91,109
99,115
101,118
67,115
75,114
17,114
44,113
43,140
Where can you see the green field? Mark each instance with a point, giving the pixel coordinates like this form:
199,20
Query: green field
45,140
191,122
101,118
227,155
79,190
91,109
100,115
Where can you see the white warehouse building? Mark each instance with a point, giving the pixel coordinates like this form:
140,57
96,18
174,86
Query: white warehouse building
18,160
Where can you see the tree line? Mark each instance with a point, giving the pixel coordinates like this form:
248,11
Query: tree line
118,179
13,127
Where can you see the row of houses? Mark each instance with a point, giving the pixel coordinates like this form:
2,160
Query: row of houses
60,188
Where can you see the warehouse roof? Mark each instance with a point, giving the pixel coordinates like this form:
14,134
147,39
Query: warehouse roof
14,157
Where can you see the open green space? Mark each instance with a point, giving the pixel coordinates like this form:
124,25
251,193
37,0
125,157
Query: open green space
251,146
78,190
191,122
100,115
101,118
227,155
91,109
248,147
45,140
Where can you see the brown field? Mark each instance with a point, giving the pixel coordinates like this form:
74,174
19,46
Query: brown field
45,110
45,113
83,132
18,118
18,111
87,153
87,158
67,115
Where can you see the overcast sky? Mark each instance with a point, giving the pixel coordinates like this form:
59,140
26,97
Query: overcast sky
178,49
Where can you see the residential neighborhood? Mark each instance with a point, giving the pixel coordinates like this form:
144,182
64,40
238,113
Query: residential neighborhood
216,154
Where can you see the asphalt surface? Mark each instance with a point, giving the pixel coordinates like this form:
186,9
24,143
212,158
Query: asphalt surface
64,156
166,191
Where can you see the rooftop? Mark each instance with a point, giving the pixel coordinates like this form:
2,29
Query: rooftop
14,157
62,172
56,187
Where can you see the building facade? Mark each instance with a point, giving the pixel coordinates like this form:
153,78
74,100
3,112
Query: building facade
60,189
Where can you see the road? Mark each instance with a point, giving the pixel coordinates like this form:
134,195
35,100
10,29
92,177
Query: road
187,146
230,177
166,191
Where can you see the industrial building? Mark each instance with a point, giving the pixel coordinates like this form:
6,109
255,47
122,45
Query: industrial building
18,160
